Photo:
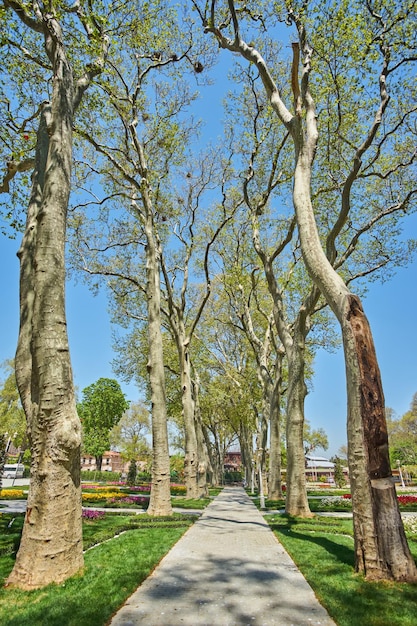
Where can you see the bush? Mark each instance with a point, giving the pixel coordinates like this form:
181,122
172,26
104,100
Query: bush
233,477
131,476
99,476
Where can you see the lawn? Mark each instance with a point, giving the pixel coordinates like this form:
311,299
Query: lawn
113,570
322,548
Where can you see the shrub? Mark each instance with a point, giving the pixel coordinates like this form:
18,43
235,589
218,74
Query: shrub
99,476
233,477
131,476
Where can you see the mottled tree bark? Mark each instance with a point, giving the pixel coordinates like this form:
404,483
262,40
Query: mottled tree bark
296,489
51,545
275,482
204,468
160,499
191,453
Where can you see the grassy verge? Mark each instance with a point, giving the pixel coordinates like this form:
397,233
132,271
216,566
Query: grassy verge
113,570
322,548
182,503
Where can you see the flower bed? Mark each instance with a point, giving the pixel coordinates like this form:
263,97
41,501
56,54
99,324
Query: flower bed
410,524
92,515
407,500
12,494
101,496
345,502
335,502
178,490
115,499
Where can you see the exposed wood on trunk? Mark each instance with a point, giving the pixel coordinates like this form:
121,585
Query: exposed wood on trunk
371,393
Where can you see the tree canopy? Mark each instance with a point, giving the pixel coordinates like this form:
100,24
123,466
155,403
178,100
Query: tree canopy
101,408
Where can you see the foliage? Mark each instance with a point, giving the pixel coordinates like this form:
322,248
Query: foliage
314,439
131,475
129,434
403,437
339,476
176,465
12,416
87,475
102,406
233,477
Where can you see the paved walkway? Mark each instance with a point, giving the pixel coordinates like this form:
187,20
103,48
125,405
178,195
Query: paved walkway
227,570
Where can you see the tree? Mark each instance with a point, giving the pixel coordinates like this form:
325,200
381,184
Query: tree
381,548
44,44
183,319
250,310
129,434
314,439
102,407
140,149
12,416
403,437
339,476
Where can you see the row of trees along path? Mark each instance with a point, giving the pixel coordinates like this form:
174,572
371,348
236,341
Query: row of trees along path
337,148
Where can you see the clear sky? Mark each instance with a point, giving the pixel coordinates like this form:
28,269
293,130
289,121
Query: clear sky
391,308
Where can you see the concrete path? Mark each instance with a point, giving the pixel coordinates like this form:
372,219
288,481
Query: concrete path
227,570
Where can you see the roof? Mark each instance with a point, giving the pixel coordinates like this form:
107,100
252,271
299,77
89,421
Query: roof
318,461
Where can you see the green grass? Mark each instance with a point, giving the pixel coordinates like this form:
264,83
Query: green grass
113,570
322,548
182,503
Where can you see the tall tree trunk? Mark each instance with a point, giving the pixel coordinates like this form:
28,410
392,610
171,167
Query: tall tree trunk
294,345
296,489
160,498
203,458
191,454
274,483
51,544
381,548
246,451
213,474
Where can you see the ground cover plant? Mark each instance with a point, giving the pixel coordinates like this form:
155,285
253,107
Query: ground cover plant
322,548
113,569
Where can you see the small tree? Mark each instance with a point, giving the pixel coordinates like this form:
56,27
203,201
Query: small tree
131,475
12,416
339,477
102,408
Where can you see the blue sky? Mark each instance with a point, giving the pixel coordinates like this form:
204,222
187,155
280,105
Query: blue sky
391,308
